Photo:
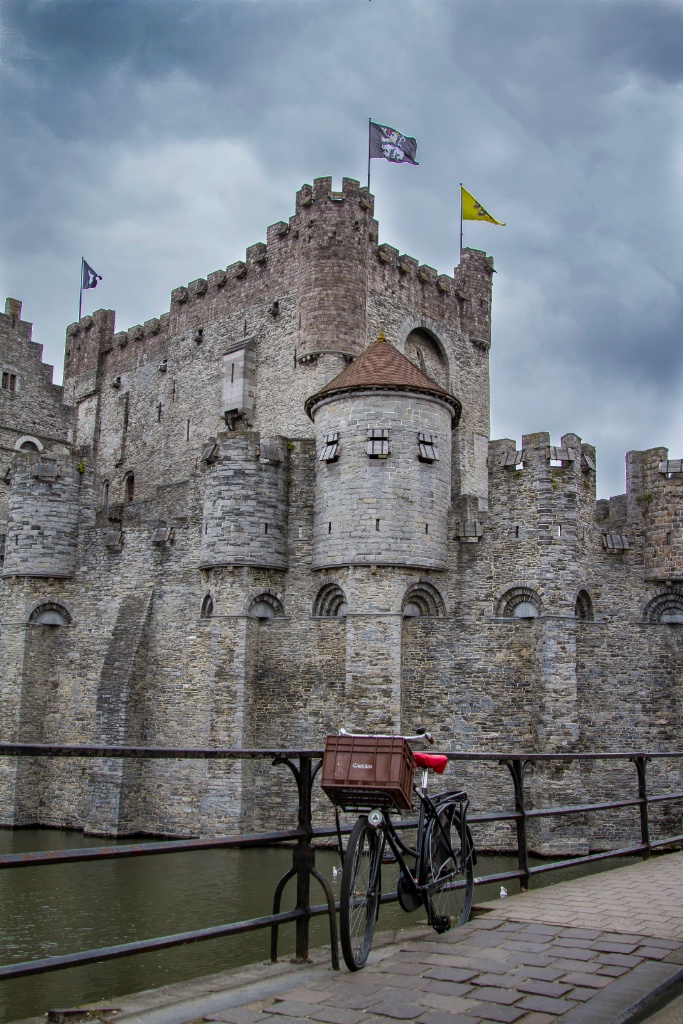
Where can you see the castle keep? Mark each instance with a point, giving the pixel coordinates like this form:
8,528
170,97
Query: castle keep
275,509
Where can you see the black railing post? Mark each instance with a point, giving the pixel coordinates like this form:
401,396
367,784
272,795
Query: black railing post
303,866
641,767
517,767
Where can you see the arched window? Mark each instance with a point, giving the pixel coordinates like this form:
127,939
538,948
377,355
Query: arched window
583,607
266,606
207,607
422,599
666,608
50,613
129,486
519,603
330,601
422,350
105,493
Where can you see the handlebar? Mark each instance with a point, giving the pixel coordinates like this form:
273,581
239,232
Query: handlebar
420,735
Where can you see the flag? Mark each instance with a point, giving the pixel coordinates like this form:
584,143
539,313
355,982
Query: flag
472,210
90,278
388,144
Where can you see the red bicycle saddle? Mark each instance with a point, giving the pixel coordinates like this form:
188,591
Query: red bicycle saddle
437,762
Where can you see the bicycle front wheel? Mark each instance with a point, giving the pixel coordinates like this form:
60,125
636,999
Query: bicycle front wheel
448,871
359,898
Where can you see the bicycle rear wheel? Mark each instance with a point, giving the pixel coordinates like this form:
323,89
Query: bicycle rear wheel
360,891
447,860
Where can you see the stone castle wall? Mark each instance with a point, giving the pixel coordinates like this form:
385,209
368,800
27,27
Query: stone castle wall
218,584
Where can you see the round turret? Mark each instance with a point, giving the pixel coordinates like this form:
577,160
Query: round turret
334,237
43,513
245,502
383,464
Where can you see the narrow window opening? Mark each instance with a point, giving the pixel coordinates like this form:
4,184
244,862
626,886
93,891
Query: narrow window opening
377,525
174,392
232,373
130,487
516,531
187,433
329,527
159,412
265,527
426,527
668,538
125,414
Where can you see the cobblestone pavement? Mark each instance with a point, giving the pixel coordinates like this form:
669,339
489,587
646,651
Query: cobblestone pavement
588,951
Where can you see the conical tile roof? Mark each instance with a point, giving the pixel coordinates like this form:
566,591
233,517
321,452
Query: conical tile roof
381,367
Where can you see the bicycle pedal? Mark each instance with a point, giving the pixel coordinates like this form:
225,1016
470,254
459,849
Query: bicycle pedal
441,924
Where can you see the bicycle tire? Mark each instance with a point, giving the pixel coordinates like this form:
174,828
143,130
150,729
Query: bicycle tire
359,897
447,860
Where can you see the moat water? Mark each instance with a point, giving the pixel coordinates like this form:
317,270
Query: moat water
64,908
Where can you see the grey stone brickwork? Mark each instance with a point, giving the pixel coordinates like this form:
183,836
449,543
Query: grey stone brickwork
182,568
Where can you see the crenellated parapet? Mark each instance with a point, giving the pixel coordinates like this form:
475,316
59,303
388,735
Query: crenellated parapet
45,498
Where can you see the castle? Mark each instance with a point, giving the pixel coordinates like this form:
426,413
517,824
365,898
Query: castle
275,509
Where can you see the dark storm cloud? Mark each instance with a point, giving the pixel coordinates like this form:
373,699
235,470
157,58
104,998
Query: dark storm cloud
158,139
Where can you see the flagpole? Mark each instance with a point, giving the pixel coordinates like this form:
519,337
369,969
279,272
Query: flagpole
369,129
460,260
80,294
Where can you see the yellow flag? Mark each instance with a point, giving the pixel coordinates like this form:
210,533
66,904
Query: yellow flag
472,210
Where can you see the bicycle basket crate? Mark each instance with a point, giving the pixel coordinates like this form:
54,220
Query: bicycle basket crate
362,772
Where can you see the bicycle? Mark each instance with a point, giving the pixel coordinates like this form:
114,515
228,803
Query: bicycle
440,876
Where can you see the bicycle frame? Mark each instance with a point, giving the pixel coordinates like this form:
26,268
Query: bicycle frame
429,810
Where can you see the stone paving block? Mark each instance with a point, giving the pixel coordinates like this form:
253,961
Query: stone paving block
398,981
604,946
489,994
512,926
652,952
547,1004
567,953
575,965
450,1004
497,980
444,961
607,969
675,957
353,1000
497,1012
450,973
443,1017
398,1010
619,960
290,1008
336,1015
532,959
593,981
543,929
663,943
526,946
571,943
487,963
542,973
485,922
537,1018
581,933
304,994
582,994
485,939
403,968
239,1015
545,988
447,988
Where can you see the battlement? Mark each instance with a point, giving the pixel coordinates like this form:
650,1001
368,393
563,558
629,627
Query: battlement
654,498
11,324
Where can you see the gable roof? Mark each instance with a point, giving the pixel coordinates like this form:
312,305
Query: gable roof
381,367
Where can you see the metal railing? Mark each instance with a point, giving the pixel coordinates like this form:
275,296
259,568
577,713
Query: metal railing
304,765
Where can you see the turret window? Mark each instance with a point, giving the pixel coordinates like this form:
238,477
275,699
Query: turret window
378,443
330,450
428,451
9,381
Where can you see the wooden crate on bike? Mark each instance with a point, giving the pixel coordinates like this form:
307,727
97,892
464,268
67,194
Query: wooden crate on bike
363,772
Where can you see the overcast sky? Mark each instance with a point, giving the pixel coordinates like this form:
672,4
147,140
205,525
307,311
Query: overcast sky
159,138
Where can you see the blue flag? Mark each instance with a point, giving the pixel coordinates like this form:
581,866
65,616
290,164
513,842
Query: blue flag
90,278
